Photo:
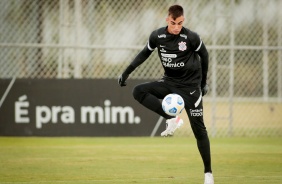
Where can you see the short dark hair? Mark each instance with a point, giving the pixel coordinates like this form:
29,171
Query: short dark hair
175,11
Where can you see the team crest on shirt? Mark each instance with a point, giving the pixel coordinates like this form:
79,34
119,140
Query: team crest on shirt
182,46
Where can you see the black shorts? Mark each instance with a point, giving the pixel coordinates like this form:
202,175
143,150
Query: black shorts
192,97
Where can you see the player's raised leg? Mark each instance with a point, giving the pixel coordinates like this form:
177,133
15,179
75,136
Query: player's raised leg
149,95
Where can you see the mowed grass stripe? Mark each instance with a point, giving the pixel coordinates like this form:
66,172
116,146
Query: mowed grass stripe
137,160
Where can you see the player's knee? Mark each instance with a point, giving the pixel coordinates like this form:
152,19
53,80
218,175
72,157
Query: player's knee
138,93
200,131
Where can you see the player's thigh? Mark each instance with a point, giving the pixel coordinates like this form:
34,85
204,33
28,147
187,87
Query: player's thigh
193,104
156,88
194,110
191,96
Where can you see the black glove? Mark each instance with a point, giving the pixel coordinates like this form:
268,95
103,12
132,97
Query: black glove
205,89
122,79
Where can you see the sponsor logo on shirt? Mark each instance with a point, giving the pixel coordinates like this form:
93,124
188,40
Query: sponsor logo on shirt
167,61
169,55
162,36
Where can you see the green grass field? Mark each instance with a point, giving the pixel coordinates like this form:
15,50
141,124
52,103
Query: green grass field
137,160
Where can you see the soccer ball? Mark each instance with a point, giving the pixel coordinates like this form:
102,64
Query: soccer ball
173,104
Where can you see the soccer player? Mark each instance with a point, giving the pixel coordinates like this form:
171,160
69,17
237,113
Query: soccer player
185,60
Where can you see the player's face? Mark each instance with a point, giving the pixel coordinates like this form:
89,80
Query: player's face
174,26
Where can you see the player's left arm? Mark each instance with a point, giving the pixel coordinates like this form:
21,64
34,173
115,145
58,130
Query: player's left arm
204,55
202,51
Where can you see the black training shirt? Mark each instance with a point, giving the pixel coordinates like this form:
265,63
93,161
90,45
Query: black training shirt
184,56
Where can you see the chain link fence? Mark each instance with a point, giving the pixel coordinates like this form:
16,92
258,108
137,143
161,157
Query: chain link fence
98,39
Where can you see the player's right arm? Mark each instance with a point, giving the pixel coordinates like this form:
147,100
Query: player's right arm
138,60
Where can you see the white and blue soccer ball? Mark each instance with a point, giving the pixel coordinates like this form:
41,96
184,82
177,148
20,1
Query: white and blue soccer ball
173,104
